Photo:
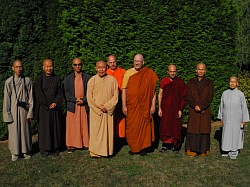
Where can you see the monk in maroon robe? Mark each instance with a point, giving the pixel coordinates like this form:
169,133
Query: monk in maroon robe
171,104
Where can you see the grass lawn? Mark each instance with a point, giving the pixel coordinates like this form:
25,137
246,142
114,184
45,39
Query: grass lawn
155,169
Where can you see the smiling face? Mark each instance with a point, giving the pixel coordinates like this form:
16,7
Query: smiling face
101,68
138,62
18,68
77,65
48,67
112,62
201,70
233,83
172,71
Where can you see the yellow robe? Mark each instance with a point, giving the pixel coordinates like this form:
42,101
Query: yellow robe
102,90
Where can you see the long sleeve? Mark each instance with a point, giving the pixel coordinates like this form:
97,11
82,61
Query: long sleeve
69,96
110,105
189,98
39,94
206,101
90,99
245,113
31,99
183,96
221,108
7,115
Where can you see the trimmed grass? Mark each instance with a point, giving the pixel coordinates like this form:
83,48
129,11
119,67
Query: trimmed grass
156,169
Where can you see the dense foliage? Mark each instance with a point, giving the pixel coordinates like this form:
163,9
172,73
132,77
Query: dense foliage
183,32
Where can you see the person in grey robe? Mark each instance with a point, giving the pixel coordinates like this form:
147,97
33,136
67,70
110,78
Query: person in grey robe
233,113
17,111
49,97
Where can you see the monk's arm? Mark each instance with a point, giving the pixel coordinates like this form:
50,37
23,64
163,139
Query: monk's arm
208,100
159,101
124,97
90,99
191,101
7,115
152,108
31,99
110,105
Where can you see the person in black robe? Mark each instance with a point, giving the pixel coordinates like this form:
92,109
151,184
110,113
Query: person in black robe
49,97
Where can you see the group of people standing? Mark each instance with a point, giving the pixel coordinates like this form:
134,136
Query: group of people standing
116,104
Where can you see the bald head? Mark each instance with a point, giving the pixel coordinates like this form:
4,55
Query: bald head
233,82
201,70
77,65
172,71
112,62
48,67
17,67
138,62
101,68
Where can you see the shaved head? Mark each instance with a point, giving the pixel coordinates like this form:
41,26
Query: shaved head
172,71
112,62
16,61
138,62
101,68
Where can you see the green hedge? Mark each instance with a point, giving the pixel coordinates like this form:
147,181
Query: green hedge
183,32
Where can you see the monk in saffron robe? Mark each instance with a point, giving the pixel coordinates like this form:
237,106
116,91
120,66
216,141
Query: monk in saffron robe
75,88
171,104
200,92
234,114
17,111
49,97
138,102
102,96
118,73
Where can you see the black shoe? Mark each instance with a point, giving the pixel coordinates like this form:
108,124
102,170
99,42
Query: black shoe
143,153
164,150
131,153
55,153
44,153
175,151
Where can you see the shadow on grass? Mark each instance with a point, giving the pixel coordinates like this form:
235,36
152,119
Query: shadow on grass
218,137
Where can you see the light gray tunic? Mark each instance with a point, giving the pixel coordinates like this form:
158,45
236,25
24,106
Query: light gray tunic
233,111
15,116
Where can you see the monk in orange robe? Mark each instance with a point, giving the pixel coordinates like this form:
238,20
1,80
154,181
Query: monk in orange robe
138,104
75,88
119,118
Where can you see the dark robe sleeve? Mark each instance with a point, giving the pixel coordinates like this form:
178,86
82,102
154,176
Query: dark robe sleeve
190,99
59,95
208,100
39,94
69,94
183,95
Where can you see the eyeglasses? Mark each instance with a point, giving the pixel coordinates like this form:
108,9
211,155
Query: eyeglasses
77,64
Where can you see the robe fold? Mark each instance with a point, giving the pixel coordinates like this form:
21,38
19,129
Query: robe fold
48,90
139,121
173,100
119,118
233,111
102,91
15,116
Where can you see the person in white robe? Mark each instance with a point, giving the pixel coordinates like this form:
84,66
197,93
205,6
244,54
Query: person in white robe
17,112
233,113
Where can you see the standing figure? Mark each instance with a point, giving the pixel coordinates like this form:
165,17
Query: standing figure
200,92
75,88
234,114
138,104
172,102
118,73
49,97
17,111
102,96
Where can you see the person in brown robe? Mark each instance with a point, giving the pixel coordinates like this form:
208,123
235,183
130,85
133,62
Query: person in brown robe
75,89
49,97
17,112
138,103
102,96
172,102
200,92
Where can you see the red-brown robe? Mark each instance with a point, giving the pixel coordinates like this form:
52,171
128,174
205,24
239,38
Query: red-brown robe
119,118
139,121
173,100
